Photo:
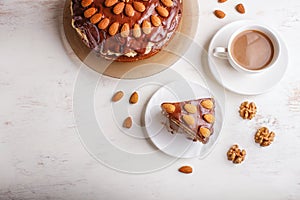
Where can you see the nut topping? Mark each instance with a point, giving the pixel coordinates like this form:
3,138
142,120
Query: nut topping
209,118
90,12
235,154
137,31
139,6
190,108
146,27
167,3
129,11
208,104
125,30
162,11
169,108
119,8
155,20
96,18
264,137
110,3
103,23
86,3
248,110
113,29
205,132
188,119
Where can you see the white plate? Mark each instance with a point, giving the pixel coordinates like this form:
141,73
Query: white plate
236,81
178,145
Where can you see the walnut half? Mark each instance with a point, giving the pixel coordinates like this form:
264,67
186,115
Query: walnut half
235,154
248,110
264,137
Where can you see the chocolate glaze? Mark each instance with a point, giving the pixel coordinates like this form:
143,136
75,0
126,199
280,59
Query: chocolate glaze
102,42
176,116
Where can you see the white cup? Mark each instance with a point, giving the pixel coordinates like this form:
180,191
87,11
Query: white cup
225,52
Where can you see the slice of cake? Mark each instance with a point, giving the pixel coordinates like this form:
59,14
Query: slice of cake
195,118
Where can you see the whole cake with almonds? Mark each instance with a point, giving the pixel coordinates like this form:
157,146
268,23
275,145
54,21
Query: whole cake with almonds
126,30
195,118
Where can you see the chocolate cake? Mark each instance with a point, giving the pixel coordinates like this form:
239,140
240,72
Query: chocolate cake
195,118
126,30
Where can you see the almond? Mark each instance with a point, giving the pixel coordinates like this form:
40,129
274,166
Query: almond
134,98
190,108
110,3
86,3
155,20
90,12
162,11
209,118
96,18
117,96
127,122
125,30
240,8
137,31
188,119
222,1
146,27
139,6
129,11
186,169
219,14
167,3
103,23
119,8
208,104
204,131
113,29
169,108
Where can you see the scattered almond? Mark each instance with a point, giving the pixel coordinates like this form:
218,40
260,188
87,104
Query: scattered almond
117,96
134,98
209,118
186,169
127,122
204,131
110,3
137,31
139,6
96,18
146,27
103,23
119,8
190,108
113,29
188,119
129,11
167,3
162,11
169,108
222,1
240,8
155,20
86,3
208,104
220,14
90,12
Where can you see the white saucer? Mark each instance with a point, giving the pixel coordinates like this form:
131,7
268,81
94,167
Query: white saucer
236,81
178,145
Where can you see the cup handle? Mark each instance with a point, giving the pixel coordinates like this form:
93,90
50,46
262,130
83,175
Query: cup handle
220,52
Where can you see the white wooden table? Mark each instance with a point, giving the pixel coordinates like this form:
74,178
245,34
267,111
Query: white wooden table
42,157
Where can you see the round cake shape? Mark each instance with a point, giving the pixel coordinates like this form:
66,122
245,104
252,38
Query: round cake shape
126,30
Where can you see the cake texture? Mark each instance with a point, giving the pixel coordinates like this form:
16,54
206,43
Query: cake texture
126,30
195,118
